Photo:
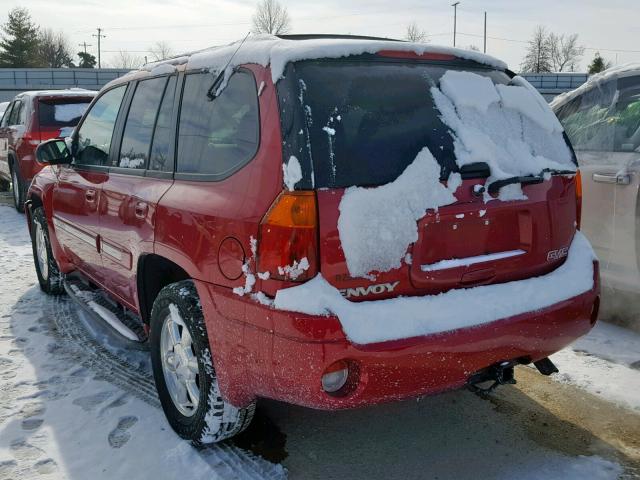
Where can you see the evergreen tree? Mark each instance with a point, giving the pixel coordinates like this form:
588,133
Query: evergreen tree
598,64
19,46
86,60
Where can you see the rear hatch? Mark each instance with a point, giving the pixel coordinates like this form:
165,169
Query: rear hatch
57,116
361,122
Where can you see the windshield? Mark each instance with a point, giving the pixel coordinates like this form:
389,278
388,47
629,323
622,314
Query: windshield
61,112
362,122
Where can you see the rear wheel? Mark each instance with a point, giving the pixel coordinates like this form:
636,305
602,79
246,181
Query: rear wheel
49,276
184,373
18,189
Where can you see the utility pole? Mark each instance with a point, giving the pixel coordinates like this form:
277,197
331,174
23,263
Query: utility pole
99,35
85,45
455,20
485,32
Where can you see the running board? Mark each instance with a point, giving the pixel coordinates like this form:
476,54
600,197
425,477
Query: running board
98,305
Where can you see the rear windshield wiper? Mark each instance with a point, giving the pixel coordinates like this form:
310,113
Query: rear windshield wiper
494,187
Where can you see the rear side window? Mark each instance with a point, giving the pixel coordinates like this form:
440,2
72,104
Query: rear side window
61,113
162,137
138,129
588,121
362,122
17,113
94,136
217,137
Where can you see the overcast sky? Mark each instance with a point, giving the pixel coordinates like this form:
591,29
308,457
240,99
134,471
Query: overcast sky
134,25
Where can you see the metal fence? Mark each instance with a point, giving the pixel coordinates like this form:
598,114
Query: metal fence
552,84
17,80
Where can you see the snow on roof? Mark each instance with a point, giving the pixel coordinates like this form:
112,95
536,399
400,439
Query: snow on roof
68,92
619,71
275,51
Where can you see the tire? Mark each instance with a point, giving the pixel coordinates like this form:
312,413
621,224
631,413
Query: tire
49,276
18,188
211,420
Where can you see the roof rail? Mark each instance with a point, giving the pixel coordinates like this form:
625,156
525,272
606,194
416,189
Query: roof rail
315,36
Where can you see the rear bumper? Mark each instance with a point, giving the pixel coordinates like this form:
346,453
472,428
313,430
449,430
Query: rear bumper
259,351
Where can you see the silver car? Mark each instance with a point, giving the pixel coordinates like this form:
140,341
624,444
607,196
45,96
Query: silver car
602,120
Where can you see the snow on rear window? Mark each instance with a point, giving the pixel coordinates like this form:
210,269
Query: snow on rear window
377,225
66,112
513,133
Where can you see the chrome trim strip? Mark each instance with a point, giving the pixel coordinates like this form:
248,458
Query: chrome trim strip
465,262
76,232
111,251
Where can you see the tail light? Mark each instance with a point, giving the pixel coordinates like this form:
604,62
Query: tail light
288,246
578,199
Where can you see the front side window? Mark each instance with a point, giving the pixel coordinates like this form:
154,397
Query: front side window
136,138
627,115
218,136
96,132
7,115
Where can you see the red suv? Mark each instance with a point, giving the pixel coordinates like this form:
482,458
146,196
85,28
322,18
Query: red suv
331,222
31,118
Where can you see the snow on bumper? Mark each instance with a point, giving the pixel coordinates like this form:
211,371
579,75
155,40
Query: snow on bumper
406,317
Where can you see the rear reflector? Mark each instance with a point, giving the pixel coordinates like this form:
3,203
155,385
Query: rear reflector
578,199
288,244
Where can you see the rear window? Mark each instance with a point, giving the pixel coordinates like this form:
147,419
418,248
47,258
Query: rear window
362,122
61,112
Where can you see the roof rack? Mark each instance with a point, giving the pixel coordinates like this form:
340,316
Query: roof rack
315,36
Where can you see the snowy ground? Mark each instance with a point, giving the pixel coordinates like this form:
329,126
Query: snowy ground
71,408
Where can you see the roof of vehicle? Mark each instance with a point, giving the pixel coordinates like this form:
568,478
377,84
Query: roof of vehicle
278,51
619,71
69,92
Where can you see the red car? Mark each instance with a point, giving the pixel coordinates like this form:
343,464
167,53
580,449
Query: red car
316,220
32,118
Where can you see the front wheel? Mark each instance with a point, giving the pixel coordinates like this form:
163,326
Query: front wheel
183,370
49,276
18,189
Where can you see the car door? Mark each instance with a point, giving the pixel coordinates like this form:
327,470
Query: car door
140,174
4,143
623,270
585,119
76,195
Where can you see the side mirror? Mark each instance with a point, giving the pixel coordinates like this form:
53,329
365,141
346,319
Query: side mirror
53,152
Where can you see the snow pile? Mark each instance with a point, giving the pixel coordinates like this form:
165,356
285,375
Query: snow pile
509,128
384,320
292,173
377,225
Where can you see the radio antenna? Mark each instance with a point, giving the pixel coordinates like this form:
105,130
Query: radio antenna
214,91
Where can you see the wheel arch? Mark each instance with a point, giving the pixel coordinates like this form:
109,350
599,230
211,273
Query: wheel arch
154,272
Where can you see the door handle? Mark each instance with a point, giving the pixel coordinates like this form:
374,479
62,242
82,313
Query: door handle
141,209
614,178
90,195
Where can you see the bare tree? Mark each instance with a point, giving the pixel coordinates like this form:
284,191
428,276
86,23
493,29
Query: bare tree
160,51
415,34
538,56
565,52
124,59
271,17
53,49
